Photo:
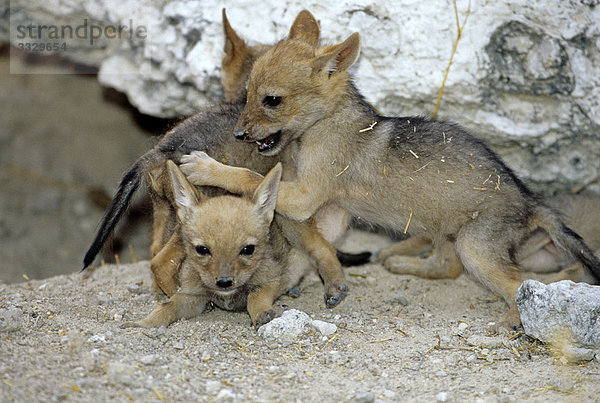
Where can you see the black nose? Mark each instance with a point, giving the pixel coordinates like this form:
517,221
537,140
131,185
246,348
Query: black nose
224,281
240,134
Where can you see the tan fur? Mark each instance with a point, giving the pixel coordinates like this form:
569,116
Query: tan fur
538,254
166,256
410,173
227,227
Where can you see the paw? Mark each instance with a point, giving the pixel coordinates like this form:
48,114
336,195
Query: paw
511,321
335,295
197,167
397,264
294,292
267,316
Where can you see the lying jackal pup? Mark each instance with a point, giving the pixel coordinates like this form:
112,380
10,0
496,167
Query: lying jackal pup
538,254
405,173
236,257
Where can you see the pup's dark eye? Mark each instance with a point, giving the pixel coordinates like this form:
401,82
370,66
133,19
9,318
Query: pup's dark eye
247,250
202,250
271,101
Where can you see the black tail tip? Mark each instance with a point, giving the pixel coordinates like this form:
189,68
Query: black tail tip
353,259
87,260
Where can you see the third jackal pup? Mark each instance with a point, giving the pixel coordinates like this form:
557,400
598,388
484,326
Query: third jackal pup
405,173
236,256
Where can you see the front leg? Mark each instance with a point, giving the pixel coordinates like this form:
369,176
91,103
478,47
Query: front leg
296,200
305,236
179,306
203,170
260,303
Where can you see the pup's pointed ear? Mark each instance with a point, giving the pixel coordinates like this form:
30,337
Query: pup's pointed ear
305,28
235,64
235,47
186,197
339,58
265,195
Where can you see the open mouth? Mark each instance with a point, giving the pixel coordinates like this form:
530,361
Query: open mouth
269,142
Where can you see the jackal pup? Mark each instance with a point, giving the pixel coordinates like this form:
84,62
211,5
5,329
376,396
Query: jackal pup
404,173
210,130
235,254
539,256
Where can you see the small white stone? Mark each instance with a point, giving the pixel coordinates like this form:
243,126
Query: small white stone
326,329
442,397
226,394
212,386
149,359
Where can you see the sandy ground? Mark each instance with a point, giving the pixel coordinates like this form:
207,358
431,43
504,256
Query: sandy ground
398,338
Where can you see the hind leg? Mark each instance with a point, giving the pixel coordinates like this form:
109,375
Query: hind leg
483,248
165,265
413,246
442,263
162,219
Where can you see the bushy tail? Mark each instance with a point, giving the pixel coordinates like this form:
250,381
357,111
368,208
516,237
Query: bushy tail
129,184
568,241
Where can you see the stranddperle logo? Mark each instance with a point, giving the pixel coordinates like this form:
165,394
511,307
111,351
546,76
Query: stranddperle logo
87,30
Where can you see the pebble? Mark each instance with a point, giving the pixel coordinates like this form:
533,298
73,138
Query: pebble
11,319
471,358
149,359
462,326
213,386
364,397
371,280
292,324
389,394
136,289
177,345
226,394
325,328
485,342
100,337
120,372
442,397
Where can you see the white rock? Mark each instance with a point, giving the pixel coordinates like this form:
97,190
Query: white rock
213,386
226,394
563,314
462,326
442,397
149,359
291,324
524,72
120,372
326,328
364,397
11,319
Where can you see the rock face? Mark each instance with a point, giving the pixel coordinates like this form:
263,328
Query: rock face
564,314
525,77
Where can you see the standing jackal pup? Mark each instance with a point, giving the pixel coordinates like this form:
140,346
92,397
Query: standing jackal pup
235,256
405,173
